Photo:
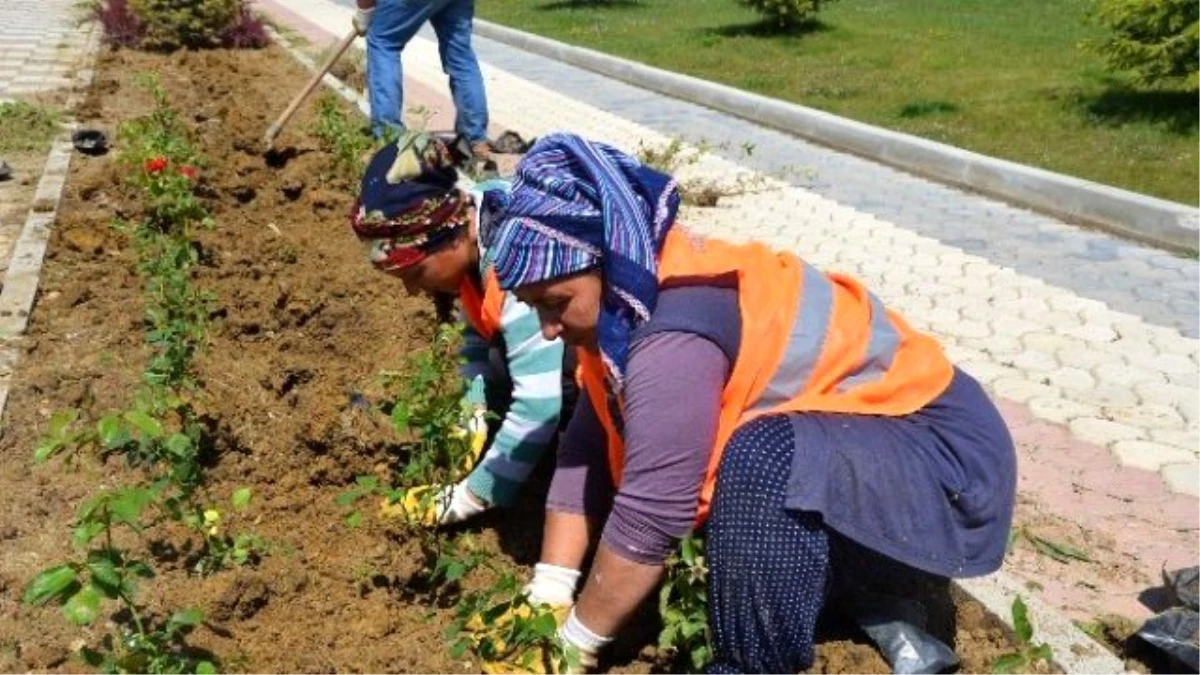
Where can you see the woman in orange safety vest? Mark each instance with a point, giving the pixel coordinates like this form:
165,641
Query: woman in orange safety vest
737,389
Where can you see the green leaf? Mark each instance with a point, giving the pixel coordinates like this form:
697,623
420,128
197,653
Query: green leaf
544,624
179,445
1009,663
241,498
367,482
400,416
61,420
146,424
140,568
1058,550
206,668
1041,652
185,617
700,657
48,448
83,607
50,584
85,532
348,497
354,519
1021,624
127,506
104,574
688,549
112,431
455,571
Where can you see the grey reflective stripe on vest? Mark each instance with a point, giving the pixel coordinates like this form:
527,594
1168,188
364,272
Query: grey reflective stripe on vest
804,343
880,350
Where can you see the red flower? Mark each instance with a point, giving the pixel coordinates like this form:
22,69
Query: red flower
188,171
155,165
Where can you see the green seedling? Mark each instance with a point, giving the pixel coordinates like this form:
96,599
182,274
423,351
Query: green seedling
1029,654
162,133
347,142
426,408
108,573
683,606
499,624
224,549
158,431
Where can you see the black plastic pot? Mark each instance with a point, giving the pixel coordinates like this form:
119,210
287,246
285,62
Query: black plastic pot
90,141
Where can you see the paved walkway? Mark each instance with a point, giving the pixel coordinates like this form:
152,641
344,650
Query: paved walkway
40,45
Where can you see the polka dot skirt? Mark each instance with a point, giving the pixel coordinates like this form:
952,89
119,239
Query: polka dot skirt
767,566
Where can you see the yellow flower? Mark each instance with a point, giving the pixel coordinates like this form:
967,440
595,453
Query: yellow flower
212,518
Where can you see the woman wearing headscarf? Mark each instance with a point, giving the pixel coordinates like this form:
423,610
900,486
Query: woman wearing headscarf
737,388
419,225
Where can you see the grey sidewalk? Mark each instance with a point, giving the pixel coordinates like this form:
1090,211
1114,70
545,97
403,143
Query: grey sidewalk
40,43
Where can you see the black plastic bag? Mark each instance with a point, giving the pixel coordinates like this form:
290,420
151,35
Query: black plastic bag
1184,585
1175,632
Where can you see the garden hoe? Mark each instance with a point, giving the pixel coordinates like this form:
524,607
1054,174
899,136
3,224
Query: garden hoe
277,126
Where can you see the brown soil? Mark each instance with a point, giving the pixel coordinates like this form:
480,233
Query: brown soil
300,324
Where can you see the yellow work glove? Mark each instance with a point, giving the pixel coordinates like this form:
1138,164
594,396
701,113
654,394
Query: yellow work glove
432,505
475,425
538,660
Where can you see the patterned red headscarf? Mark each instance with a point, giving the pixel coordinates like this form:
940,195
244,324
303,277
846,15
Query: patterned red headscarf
408,206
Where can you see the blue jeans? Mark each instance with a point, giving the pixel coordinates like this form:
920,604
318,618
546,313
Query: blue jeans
395,23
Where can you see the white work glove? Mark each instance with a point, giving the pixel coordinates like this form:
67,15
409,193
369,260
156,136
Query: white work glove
552,585
362,20
461,505
586,643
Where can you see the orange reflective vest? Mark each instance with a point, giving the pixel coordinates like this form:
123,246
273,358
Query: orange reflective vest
810,342
483,311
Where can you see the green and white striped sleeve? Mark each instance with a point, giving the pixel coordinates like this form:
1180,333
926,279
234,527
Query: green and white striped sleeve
535,368
473,352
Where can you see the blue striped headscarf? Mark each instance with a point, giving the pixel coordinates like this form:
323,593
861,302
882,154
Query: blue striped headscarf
575,205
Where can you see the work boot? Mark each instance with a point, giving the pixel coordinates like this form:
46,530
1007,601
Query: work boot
482,151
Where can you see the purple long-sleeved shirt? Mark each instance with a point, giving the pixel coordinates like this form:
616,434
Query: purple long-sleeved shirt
673,385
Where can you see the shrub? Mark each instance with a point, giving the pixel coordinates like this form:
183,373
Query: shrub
121,26
1158,40
785,13
171,24
246,32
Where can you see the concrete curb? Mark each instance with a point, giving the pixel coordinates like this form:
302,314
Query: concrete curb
1156,221
25,267
1074,651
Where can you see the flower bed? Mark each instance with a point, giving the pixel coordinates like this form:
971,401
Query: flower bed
260,342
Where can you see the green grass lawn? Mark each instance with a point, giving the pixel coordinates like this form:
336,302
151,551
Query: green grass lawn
1002,77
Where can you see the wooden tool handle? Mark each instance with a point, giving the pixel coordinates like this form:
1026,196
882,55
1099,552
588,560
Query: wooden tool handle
341,48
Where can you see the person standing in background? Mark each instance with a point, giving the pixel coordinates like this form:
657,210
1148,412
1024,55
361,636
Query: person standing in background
388,25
